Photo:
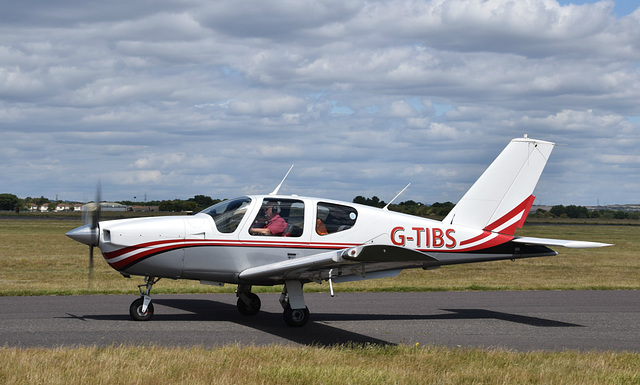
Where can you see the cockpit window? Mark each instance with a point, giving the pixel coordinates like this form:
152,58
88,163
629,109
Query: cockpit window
228,214
279,217
333,218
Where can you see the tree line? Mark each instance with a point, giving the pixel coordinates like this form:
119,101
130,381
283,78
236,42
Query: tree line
411,207
440,210
195,204
10,202
572,211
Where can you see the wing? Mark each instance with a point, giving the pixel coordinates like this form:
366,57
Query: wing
292,268
367,261
559,242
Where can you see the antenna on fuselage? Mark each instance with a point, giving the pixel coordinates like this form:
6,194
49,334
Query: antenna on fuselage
394,198
275,192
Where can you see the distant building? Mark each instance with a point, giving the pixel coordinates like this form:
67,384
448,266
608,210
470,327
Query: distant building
107,206
63,207
145,209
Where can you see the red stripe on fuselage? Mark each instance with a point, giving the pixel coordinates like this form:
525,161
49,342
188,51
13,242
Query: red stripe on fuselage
148,249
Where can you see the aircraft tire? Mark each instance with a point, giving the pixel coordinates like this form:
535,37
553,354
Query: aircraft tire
135,310
252,308
297,317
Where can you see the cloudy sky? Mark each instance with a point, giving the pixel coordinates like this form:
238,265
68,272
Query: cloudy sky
170,99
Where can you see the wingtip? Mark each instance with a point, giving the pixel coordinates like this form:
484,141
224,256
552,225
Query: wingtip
586,245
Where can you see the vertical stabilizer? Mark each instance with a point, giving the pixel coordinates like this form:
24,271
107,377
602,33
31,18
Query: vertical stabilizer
501,198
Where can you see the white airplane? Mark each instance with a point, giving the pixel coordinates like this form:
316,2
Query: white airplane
292,240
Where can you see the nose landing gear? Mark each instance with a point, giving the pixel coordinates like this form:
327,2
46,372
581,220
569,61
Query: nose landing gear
142,309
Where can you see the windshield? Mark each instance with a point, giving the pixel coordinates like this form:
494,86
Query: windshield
228,214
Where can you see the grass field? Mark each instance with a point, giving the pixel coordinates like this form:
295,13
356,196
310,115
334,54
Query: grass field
39,260
313,365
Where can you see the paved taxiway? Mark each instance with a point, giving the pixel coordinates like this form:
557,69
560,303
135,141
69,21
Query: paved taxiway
521,320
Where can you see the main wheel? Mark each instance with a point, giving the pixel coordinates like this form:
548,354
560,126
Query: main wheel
250,308
296,317
135,310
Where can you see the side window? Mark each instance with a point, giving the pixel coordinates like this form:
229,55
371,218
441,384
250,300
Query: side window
332,218
228,214
279,217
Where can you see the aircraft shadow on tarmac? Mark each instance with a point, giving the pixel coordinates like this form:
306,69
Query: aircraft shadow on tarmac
315,332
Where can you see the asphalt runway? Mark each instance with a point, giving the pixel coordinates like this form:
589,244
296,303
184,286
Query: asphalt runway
519,320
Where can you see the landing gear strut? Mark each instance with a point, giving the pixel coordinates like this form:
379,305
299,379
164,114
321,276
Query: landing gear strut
248,303
142,309
296,312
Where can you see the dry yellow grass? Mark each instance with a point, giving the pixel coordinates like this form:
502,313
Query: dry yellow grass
38,258
313,365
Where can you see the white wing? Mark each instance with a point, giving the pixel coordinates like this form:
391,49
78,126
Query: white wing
361,260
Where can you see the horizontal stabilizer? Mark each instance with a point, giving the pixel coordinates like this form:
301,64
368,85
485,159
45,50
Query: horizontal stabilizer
559,242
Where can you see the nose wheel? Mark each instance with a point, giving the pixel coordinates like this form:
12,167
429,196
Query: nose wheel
136,312
142,309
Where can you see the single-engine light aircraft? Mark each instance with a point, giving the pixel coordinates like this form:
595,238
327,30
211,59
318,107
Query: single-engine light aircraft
292,240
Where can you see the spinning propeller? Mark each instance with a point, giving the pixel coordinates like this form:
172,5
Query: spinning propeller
89,233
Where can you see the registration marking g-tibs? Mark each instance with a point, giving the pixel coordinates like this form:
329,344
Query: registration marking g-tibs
424,237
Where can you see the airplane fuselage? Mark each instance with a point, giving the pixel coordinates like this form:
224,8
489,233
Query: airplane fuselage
204,247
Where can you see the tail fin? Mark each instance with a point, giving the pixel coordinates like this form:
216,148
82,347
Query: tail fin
501,198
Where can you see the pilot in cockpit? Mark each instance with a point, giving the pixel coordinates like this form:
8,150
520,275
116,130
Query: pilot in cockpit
274,223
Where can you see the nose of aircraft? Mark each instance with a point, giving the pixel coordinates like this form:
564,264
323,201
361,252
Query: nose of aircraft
84,234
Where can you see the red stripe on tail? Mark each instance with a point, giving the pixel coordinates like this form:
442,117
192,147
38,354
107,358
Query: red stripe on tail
523,208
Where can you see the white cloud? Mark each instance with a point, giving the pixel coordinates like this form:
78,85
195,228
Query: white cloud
265,105
620,159
159,161
187,97
136,177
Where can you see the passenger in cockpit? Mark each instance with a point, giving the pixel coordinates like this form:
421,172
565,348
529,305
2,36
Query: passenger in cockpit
274,225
